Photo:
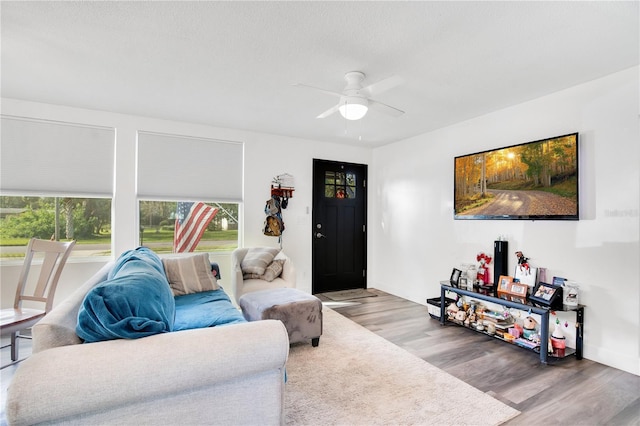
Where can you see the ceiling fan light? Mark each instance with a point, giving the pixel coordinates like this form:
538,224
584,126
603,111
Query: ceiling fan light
353,108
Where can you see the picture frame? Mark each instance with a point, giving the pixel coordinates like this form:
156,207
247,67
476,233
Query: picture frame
518,292
504,282
549,295
508,289
518,289
455,277
503,285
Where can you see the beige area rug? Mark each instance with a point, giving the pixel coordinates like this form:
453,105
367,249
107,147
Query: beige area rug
356,377
357,293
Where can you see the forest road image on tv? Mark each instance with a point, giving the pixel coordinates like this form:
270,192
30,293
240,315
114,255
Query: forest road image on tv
533,180
524,203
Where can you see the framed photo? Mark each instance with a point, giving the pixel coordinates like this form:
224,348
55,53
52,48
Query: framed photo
547,295
504,282
518,289
455,277
518,292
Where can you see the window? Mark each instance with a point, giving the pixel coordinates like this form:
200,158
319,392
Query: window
52,158
339,185
86,220
190,172
48,171
178,167
176,227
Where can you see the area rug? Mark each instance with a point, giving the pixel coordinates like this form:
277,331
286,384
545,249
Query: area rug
357,293
355,377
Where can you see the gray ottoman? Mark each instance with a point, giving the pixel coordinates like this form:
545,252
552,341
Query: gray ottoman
300,312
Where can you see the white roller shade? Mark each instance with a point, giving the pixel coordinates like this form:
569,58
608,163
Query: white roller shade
53,158
186,168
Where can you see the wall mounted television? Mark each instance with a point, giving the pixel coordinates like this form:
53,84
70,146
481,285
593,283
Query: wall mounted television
535,180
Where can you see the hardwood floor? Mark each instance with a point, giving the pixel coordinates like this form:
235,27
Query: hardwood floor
567,392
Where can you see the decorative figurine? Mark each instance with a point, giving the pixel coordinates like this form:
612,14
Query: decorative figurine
471,313
529,327
523,262
557,342
483,269
491,328
452,309
530,323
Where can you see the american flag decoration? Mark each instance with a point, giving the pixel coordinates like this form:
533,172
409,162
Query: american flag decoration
192,220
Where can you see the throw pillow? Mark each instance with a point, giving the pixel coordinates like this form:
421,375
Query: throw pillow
272,271
257,259
191,274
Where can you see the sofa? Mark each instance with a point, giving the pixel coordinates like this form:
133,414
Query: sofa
230,374
243,281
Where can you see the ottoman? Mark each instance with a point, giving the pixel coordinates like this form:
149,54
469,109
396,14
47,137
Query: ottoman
300,312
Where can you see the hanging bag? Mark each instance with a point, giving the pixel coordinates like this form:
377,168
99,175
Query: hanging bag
273,224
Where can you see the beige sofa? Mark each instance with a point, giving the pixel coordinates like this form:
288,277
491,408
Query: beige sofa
240,286
229,375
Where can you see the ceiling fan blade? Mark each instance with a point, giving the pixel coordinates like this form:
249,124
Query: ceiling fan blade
328,92
383,85
329,111
384,108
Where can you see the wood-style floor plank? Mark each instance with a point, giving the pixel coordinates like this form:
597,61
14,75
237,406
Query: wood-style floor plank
567,392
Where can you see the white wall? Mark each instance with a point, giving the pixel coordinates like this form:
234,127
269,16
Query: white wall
411,193
265,157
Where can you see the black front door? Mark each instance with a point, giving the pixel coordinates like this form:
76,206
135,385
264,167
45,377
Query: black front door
339,226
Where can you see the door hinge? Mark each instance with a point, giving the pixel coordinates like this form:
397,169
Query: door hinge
364,228
364,273
364,183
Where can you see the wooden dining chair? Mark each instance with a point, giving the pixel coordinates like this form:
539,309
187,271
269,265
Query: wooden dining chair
12,321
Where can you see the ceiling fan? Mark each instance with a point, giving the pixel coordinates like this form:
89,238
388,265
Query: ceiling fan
355,100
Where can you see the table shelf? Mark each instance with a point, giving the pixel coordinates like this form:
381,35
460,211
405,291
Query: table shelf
544,313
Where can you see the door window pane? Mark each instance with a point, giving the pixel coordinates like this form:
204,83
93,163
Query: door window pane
339,185
329,191
329,178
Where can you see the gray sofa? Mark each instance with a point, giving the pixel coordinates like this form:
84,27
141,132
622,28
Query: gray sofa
228,375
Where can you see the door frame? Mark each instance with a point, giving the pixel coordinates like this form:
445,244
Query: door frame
318,192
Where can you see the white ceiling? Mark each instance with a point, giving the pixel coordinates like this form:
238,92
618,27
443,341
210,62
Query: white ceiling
233,64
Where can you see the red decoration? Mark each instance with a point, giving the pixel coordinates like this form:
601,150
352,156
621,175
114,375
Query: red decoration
483,270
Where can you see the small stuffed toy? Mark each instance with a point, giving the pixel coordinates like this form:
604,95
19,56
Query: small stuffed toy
523,262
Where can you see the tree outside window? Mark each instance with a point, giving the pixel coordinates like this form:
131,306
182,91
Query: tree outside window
86,220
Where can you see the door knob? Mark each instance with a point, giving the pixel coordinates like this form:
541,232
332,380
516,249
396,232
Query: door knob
320,235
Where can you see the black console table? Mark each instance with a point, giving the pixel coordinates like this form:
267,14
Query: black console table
544,313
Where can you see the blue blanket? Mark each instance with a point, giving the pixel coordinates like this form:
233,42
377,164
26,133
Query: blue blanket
135,301
205,309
